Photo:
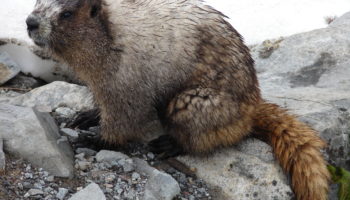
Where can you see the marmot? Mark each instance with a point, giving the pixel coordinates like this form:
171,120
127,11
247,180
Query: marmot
181,62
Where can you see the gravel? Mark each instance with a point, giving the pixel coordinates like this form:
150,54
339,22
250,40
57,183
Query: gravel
114,172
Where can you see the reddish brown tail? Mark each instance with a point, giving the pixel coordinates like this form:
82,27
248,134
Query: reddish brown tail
297,148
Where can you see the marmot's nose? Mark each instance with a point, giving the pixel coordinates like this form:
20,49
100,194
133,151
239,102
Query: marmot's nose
32,23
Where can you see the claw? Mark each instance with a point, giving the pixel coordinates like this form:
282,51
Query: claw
165,146
86,119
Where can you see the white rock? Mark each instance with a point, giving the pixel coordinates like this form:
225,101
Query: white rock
110,156
57,94
241,175
309,74
33,136
65,112
86,151
33,192
159,184
91,192
127,164
83,165
70,132
62,192
8,68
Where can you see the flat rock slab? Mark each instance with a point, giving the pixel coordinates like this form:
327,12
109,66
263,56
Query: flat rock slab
8,68
90,192
34,136
245,172
57,94
309,74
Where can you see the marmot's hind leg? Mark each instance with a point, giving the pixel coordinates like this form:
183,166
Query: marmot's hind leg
202,119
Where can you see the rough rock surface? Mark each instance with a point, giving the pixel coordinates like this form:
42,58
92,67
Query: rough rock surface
110,156
8,68
91,192
245,172
309,74
2,156
24,82
159,185
57,94
34,136
6,96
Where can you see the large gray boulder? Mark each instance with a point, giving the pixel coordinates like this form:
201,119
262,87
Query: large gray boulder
34,136
309,74
245,172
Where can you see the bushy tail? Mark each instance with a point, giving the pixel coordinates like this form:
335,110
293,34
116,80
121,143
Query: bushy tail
297,148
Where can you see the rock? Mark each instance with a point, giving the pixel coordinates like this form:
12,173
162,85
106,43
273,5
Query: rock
86,151
33,136
70,132
8,68
309,74
80,156
24,82
110,156
91,192
33,192
150,155
65,112
341,21
135,176
6,96
50,178
57,94
127,164
83,165
243,175
2,156
142,167
159,184
62,192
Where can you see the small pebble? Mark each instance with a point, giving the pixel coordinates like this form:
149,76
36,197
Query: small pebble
50,178
33,192
62,192
135,176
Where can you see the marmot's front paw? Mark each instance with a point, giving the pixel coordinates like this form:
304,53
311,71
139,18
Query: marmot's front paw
85,120
165,146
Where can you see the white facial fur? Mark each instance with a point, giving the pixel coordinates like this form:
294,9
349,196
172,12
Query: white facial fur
46,13
48,8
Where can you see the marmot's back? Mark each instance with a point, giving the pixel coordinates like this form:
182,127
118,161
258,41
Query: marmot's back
183,41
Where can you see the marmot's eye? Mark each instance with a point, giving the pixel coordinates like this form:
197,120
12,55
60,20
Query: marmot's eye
66,15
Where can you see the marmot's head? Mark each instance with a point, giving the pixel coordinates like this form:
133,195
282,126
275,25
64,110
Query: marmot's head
64,24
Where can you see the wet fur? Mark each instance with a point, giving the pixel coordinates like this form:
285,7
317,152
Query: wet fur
182,63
